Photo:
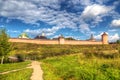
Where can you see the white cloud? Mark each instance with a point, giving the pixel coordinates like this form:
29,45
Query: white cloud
113,38
82,2
84,28
48,31
47,3
115,23
102,1
13,31
95,10
32,11
93,14
112,30
2,26
117,3
98,37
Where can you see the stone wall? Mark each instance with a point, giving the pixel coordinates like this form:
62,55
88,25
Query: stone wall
75,42
35,41
71,42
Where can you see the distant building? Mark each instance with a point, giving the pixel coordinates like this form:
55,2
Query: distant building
55,39
91,38
105,38
61,40
23,35
41,36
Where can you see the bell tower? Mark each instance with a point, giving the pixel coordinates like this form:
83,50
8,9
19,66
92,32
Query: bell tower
43,34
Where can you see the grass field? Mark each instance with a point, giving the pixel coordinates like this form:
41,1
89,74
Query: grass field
19,75
68,62
35,51
78,67
13,66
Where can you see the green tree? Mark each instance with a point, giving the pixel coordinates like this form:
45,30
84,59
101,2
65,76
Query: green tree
5,45
69,38
118,41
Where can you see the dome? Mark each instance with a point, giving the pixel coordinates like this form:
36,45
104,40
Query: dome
23,35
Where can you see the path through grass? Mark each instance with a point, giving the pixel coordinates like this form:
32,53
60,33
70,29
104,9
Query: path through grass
13,66
19,75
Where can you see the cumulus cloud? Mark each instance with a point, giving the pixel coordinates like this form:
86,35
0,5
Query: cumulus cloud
115,23
112,30
2,26
94,14
114,38
49,11
84,28
48,31
116,3
95,10
98,37
101,1
13,31
111,38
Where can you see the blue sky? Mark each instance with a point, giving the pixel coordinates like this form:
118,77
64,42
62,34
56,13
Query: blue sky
72,18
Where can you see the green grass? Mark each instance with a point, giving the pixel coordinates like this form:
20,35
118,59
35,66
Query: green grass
13,66
37,51
19,75
78,67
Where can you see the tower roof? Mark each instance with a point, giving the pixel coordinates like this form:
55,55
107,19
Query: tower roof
104,33
61,36
92,37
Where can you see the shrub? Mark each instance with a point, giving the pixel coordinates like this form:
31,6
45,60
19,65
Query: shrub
20,57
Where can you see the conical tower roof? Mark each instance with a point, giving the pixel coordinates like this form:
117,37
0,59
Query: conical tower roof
92,37
104,34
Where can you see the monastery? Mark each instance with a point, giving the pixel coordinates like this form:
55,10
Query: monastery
42,39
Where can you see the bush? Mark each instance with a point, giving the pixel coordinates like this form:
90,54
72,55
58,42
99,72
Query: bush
20,57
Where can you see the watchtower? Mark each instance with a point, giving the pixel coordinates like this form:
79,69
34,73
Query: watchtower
61,39
105,38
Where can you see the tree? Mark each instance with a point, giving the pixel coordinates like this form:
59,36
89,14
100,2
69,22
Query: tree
118,41
5,45
69,38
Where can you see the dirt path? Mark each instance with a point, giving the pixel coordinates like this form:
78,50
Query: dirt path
6,72
37,71
13,71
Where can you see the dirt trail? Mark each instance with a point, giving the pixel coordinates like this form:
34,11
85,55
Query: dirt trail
37,71
13,71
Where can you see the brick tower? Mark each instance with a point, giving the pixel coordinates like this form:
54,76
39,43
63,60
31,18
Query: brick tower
61,39
105,38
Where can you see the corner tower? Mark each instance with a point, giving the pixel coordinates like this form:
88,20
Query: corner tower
61,39
105,38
